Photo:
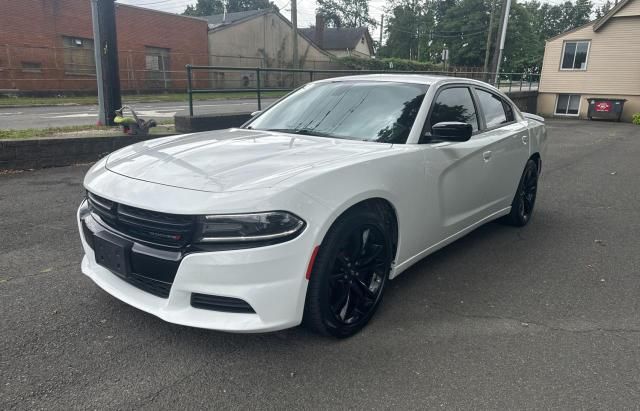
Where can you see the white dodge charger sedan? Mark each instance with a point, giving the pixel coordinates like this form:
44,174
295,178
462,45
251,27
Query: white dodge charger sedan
305,213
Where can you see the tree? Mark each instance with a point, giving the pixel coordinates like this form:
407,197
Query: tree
408,30
210,7
463,31
205,8
525,48
441,7
581,13
461,26
574,15
604,9
546,17
345,13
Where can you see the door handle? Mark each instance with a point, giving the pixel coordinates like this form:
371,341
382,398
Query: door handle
525,139
486,155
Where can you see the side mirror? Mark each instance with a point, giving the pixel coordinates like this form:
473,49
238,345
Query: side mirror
255,113
451,131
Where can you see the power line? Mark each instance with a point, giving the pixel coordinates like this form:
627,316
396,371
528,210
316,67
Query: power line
437,34
170,6
150,3
171,3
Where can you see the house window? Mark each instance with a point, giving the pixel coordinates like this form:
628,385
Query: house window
156,59
568,104
31,67
574,55
78,56
157,66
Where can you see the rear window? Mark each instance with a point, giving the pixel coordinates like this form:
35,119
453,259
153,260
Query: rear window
494,109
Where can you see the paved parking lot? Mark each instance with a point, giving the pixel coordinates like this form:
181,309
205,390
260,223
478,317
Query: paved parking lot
542,317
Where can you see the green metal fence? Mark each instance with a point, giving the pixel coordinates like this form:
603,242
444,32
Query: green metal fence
297,77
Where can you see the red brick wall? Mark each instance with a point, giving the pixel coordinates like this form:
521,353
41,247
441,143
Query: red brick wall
32,30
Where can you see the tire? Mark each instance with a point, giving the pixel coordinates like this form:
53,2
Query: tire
349,274
525,198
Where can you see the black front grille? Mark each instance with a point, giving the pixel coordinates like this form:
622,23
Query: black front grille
151,273
217,303
155,287
171,230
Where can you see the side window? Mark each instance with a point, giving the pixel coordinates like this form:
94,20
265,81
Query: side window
454,104
509,110
495,110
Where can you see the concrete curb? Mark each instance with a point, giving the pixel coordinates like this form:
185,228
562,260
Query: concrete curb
206,122
57,152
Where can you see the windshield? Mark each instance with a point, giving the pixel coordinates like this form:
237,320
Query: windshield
356,110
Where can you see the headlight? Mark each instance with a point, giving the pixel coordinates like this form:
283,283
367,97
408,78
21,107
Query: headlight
273,225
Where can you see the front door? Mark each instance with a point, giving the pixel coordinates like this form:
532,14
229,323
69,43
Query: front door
461,171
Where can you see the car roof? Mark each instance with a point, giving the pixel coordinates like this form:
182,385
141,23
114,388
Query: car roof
427,79
405,78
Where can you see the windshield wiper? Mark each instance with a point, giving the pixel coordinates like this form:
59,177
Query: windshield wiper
302,131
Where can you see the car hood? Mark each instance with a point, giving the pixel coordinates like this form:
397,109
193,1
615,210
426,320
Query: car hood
232,160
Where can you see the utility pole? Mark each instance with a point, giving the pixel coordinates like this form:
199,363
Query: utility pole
381,29
506,7
294,32
106,53
102,119
487,53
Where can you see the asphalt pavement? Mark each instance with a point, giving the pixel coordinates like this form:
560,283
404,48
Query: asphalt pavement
75,115
542,317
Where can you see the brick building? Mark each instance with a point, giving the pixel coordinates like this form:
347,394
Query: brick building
47,46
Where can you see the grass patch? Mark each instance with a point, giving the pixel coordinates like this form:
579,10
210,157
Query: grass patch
58,131
128,99
48,132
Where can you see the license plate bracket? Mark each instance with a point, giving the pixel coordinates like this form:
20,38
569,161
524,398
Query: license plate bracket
113,253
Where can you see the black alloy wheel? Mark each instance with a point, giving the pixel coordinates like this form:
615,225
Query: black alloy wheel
355,282
525,198
349,275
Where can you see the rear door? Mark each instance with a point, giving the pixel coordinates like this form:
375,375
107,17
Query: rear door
507,146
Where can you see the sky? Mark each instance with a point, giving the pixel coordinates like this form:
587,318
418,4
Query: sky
306,9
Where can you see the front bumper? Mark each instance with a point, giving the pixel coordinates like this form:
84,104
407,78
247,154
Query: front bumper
270,279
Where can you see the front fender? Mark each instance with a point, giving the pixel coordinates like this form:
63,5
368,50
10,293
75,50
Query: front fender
397,177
